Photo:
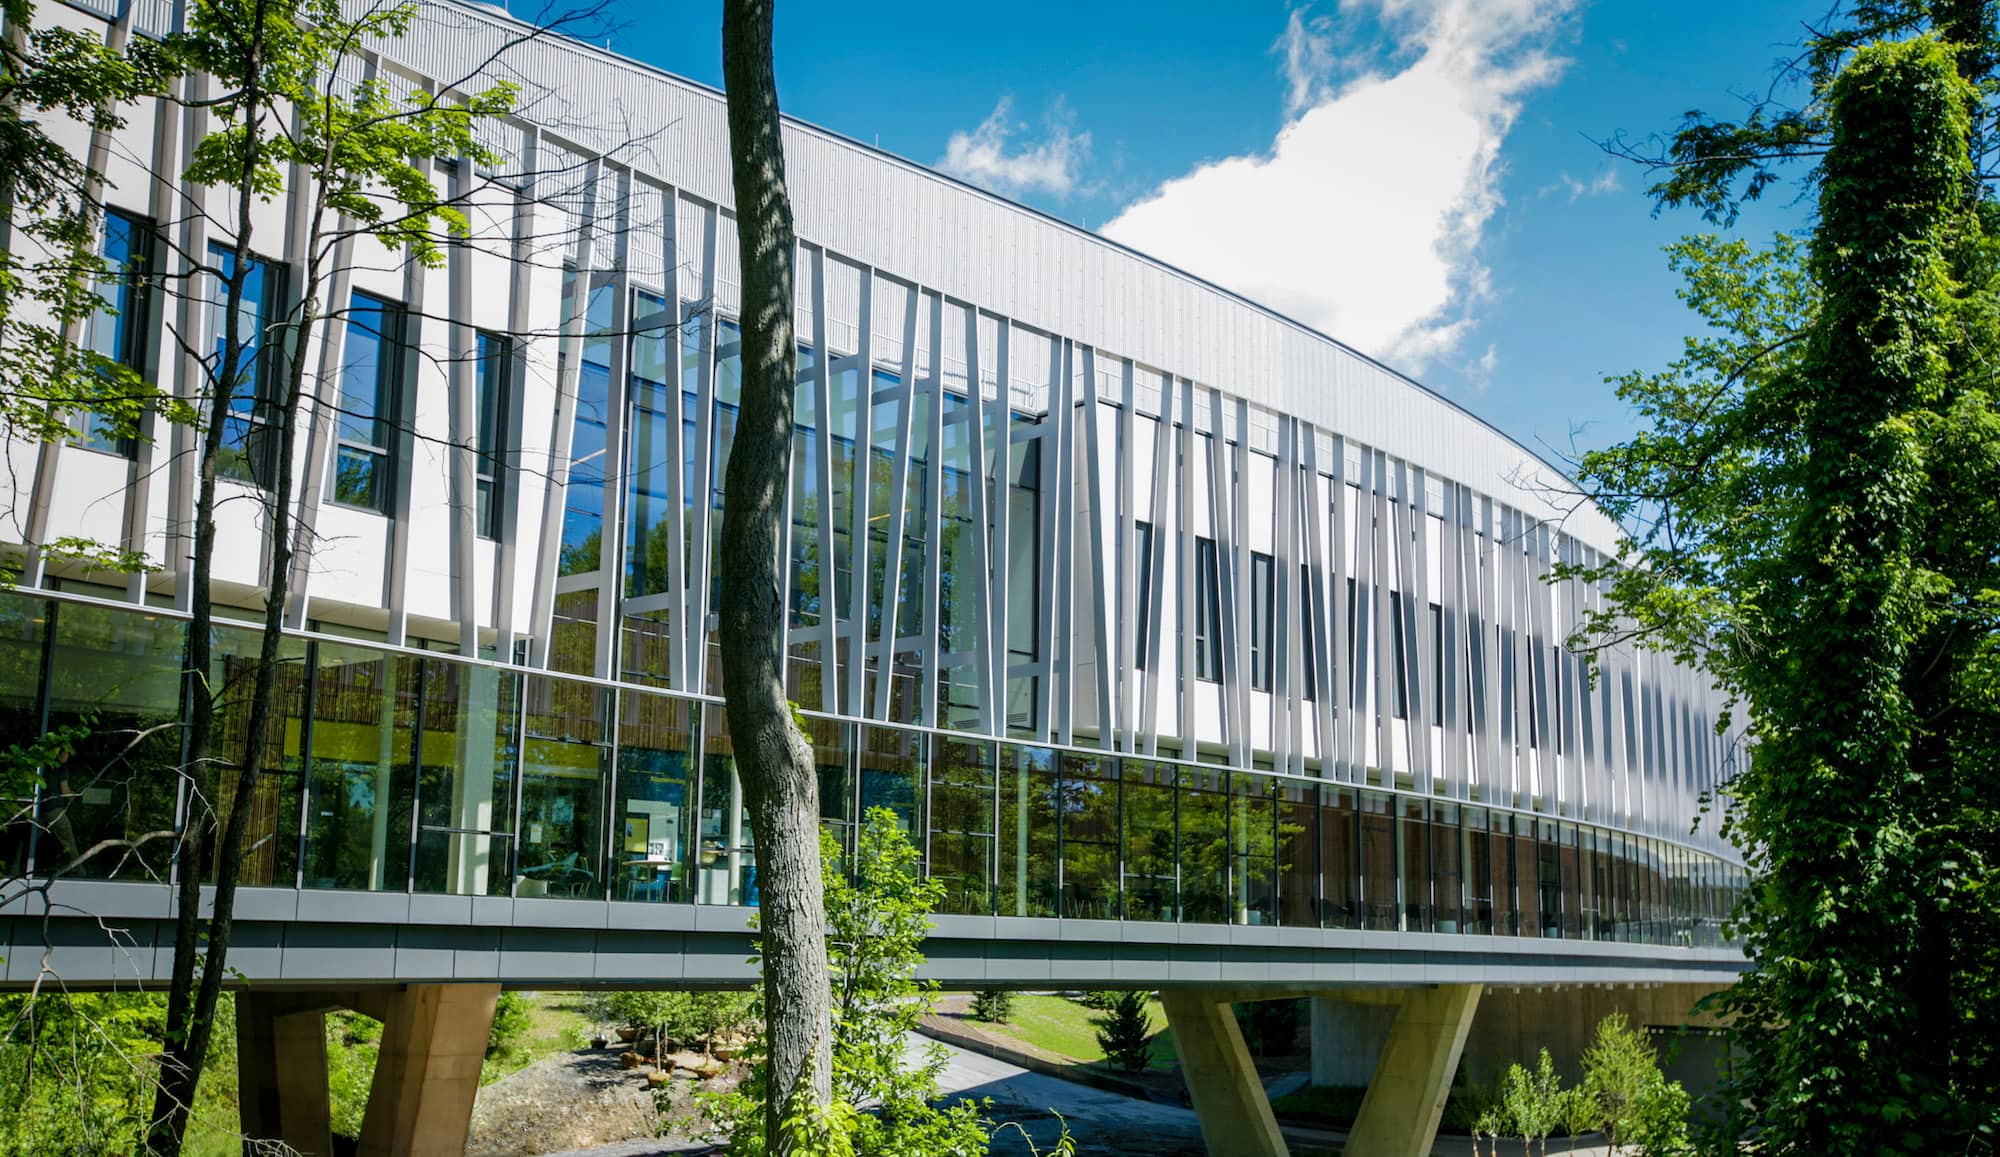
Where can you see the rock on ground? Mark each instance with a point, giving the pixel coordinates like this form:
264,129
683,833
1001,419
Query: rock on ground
568,1101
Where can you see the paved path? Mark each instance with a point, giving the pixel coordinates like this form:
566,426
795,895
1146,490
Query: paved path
1104,1124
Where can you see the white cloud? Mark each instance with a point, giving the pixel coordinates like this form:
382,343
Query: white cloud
1050,166
1364,216
1606,181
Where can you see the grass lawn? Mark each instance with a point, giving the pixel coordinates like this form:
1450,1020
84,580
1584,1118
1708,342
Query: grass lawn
558,1024
1320,1104
1059,1025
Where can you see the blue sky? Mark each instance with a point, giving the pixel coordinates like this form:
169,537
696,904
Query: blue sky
1423,171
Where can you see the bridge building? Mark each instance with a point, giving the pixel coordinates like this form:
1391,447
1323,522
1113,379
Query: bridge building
1198,651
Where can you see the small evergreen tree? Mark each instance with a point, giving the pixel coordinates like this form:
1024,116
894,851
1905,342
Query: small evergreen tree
1125,1032
992,1005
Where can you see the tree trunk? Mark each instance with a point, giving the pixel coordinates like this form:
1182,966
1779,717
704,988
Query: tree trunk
191,998
772,757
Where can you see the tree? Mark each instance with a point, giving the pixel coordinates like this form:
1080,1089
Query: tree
1813,515
1125,1032
992,1005
774,761
1618,1067
876,926
1532,1102
364,154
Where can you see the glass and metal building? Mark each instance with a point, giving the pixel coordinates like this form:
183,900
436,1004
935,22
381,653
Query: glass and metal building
1133,600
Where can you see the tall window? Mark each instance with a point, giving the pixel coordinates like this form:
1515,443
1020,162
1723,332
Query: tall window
1308,628
1143,543
370,380
118,330
249,445
1207,613
1263,647
491,382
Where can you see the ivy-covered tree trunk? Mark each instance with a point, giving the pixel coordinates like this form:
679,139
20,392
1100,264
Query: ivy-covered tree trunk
1849,1007
773,759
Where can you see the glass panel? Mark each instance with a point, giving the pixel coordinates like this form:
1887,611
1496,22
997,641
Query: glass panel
1152,862
116,674
1253,848
892,769
1549,877
1204,804
1028,856
1340,858
833,745
656,798
573,632
467,758
247,442
583,497
117,332
1506,913
1378,864
1446,882
370,376
1087,802
1477,845
363,783
566,758
726,863
271,839
491,406
1413,836
22,621
657,449
1572,883
1298,854
1023,561
961,819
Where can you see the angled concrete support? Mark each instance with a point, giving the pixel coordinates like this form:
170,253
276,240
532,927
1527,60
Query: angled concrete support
1222,1082
427,1073
281,1073
1399,1114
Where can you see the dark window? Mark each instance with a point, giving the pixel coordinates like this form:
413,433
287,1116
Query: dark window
370,380
493,384
118,329
1308,629
1143,543
249,444
1207,613
1263,646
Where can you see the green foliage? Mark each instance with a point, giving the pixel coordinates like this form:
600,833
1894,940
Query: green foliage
876,923
513,1017
993,1005
1814,507
1618,1068
1532,1102
51,271
1125,1032
77,1072
1098,998
352,1041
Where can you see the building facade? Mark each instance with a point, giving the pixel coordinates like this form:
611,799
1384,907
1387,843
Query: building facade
1133,600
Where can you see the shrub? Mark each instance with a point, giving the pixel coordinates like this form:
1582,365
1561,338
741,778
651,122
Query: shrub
513,1017
1100,999
1532,1102
1124,1032
992,1005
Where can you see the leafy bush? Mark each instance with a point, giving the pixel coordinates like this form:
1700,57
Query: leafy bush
992,1005
513,1018
1100,999
1531,1103
1124,1032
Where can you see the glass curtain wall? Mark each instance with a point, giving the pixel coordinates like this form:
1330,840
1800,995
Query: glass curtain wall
393,770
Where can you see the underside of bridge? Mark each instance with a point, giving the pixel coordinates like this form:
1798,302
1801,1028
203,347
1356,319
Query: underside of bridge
1405,1044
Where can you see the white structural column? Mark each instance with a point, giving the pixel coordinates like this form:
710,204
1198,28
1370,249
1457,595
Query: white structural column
1400,1111
1229,1100
1166,454
1096,599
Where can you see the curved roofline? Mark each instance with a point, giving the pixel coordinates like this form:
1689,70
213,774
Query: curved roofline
490,8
